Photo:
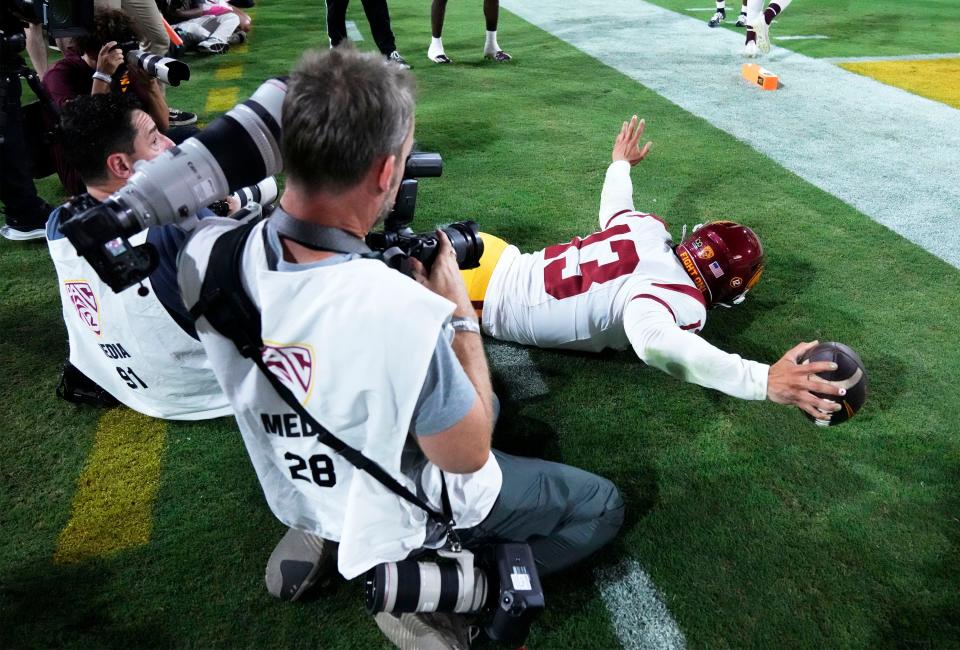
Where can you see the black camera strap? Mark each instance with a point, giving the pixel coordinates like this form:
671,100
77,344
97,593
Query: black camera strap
225,304
318,237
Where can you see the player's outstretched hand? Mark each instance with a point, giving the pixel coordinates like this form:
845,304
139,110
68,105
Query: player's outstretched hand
627,145
790,382
444,277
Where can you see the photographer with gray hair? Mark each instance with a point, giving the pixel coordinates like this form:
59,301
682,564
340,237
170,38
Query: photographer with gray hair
391,365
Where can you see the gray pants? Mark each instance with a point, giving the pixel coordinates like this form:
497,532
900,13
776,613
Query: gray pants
564,513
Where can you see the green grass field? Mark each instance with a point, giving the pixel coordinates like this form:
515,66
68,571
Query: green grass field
758,529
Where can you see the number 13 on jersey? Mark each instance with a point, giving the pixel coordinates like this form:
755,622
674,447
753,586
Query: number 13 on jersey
584,262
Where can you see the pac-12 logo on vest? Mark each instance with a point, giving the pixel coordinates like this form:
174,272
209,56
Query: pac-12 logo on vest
85,300
293,365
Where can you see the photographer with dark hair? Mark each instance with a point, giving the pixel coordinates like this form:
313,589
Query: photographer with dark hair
98,67
390,364
141,349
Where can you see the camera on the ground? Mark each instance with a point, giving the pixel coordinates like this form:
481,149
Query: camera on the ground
398,242
501,584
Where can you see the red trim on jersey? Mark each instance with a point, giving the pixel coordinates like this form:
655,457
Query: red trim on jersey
690,327
660,300
634,213
684,288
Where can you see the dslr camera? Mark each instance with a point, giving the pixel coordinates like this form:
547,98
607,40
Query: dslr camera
501,584
167,70
398,242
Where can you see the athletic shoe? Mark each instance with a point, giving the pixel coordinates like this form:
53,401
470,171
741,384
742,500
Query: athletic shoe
442,59
76,387
717,19
741,20
499,56
213,46
427,631
750,50
296,564
15,233
182,118
760,26
237,38
395,57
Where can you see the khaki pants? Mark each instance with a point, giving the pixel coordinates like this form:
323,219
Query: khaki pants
146,15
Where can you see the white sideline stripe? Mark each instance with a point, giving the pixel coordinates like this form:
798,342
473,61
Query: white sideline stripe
888,153
711,9
353,33
639,616
516,369
809,37
899,57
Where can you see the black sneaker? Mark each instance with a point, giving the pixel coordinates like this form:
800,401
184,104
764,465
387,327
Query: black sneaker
182,118
394,57
76,387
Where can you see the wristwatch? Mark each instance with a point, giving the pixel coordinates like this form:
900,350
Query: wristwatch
465,324
103,76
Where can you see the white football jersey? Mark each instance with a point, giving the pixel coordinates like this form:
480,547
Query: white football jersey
573,295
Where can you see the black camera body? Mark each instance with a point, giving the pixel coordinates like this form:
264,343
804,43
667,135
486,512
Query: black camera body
398,243
501,584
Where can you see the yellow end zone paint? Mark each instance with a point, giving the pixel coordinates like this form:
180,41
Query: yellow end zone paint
220,100
113,506
936,79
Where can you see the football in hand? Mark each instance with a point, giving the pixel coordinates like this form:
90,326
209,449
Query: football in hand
850,375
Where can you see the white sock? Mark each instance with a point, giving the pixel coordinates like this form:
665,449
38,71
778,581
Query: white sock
491,45
436,48
721,5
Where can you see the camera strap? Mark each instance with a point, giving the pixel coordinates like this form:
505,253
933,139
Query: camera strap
319,237
225,304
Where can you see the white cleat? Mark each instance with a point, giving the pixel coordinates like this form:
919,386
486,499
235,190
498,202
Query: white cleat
750,50
760,26
741,21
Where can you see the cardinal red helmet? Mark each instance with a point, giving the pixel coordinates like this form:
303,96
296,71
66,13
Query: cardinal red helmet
724,260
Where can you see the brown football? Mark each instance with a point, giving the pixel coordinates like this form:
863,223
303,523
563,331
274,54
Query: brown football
850,374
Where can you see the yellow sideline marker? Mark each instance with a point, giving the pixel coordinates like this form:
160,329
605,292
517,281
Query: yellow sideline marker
113,506
760,76
220,100
229,72
936,79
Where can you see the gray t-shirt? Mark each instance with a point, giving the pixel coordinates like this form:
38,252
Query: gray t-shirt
447,393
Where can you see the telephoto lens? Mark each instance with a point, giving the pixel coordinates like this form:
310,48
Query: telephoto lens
412,586
169,71
466,241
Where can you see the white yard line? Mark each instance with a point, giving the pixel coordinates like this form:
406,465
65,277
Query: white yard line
638,614
808,37
892,155
353,33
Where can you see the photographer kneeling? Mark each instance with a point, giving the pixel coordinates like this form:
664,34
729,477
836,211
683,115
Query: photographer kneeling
142,350
392,366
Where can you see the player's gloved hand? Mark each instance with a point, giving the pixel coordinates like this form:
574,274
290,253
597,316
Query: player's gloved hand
789,382
627,145
109,58
444,278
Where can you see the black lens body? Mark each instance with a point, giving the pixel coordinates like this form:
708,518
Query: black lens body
402,244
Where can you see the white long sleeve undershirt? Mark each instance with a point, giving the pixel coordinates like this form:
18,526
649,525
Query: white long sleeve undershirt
660,343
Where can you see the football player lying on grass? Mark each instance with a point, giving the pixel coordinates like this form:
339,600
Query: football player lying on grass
629,285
